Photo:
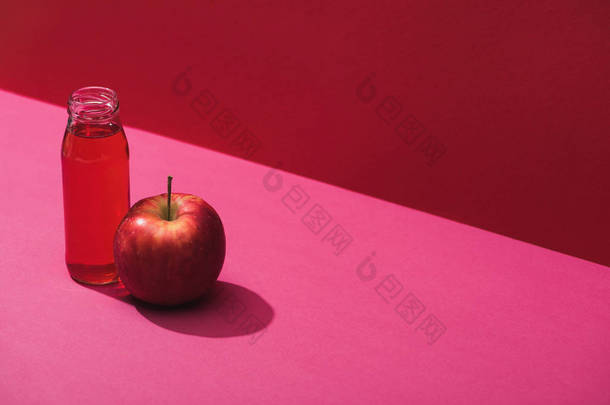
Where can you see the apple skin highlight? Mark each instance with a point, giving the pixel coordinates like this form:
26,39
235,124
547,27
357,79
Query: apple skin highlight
170,262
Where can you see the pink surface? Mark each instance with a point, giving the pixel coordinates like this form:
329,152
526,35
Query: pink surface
294,322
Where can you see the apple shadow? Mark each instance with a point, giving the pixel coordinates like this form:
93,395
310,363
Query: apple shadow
227,310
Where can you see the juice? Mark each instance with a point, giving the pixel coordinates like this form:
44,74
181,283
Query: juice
95,168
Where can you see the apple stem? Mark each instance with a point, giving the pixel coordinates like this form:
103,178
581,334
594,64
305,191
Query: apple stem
169,197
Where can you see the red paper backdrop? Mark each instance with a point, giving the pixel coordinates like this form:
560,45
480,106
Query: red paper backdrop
508,100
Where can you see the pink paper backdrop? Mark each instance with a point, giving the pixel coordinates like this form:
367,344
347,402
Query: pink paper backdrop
445,120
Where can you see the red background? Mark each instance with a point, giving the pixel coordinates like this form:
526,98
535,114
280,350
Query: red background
517,93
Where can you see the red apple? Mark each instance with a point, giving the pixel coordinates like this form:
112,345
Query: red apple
169,261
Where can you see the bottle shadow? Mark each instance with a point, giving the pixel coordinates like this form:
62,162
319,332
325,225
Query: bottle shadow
227,310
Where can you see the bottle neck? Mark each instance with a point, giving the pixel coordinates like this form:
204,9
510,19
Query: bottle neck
93,105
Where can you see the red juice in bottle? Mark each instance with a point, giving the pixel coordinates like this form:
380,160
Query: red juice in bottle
95,174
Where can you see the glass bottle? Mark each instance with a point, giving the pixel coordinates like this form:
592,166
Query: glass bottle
95,174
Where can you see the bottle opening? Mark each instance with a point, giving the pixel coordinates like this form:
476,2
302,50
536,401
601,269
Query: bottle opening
93,103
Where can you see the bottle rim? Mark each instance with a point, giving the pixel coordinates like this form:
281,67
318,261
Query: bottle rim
93,103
